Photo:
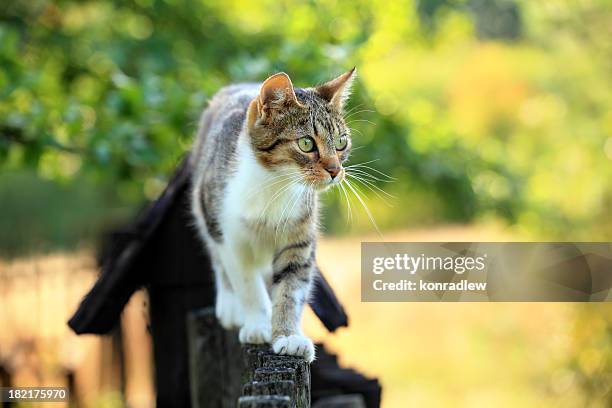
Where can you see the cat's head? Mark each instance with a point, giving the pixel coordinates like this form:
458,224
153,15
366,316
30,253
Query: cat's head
302,130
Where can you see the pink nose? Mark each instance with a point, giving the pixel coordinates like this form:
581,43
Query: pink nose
333,170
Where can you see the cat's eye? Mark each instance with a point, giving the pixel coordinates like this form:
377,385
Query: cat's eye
341,142
306,144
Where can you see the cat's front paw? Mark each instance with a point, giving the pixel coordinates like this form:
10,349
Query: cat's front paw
256,332
294,345
228,310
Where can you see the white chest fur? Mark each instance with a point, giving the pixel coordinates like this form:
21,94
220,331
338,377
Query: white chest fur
258,207
260,196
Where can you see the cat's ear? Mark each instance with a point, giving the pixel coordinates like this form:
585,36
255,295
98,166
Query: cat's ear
276,92
337,91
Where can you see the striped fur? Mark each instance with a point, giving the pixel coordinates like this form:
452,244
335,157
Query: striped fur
255,200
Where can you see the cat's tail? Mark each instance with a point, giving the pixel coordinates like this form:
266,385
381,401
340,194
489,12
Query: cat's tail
325,304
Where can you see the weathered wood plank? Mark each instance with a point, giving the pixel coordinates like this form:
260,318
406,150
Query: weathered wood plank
302,375
221,370
286,387
269,401
341,401
216,363
274,374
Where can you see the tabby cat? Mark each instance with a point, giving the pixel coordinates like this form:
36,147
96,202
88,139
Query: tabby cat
262,155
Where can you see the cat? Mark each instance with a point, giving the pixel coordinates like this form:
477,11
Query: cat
263,154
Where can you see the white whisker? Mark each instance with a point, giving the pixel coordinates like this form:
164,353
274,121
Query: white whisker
356,130
358,112
361,120
365,207
295,196
274,196
295,201
365,174
363,168
349,214
373,187
353,109
283,178
360,164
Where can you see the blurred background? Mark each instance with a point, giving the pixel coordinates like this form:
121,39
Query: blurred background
494,117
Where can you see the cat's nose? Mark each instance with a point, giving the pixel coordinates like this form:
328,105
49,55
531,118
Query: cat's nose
333,170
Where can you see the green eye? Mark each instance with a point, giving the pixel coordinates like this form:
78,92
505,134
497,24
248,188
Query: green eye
306,144
341,142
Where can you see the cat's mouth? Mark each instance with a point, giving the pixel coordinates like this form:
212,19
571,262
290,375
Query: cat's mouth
328,181
337,179
320,180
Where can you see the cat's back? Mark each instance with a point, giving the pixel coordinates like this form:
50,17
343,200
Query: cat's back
227,109
213,155
222,121
232,99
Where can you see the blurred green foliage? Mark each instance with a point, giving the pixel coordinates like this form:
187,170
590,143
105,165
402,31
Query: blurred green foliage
36,212
483,110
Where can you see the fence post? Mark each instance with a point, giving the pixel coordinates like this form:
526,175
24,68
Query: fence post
215,362
225,374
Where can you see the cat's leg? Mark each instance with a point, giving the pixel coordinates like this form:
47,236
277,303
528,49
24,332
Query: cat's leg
291,285
227,306
251,292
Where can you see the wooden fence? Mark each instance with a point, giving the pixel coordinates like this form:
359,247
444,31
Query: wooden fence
224,373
